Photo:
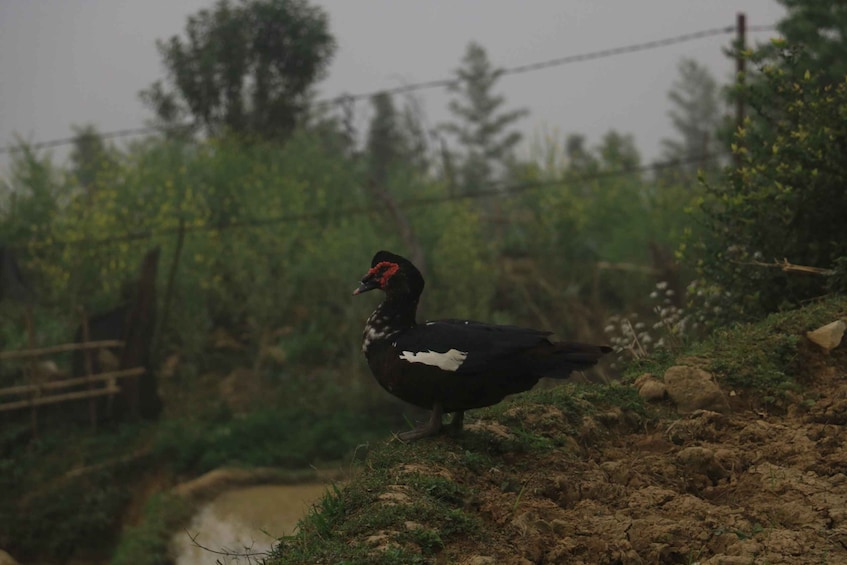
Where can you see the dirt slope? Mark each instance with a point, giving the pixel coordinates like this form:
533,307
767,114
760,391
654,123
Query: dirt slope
594,476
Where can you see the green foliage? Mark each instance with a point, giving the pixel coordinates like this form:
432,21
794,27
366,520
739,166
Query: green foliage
821,29
89,157
284,436
394,142
149,543
787,197
48,512
245,68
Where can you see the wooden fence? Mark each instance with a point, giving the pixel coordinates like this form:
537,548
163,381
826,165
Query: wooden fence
53,391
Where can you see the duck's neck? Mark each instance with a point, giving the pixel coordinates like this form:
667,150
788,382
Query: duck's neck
394,314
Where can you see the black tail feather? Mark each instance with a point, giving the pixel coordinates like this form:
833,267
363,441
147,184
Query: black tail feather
567,357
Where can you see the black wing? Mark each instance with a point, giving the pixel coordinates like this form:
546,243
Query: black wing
484,345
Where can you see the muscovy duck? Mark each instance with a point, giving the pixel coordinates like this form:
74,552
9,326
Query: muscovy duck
453,365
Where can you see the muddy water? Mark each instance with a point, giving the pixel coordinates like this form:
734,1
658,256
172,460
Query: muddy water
244,520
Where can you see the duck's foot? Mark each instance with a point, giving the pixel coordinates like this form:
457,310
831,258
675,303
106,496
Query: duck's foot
431,428
456,423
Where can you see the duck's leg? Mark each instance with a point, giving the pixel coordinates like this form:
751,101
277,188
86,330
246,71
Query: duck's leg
432,427
456,422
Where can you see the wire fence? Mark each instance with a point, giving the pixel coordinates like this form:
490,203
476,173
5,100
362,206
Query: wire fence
494,191
443,82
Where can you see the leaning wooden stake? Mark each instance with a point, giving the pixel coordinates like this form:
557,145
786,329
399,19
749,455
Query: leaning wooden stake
92,401
30,330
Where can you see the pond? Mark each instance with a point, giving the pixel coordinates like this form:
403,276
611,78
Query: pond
244,522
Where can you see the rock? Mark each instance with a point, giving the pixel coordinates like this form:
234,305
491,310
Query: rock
6,559
701,460
700,425
643,378
652,390
828,336
481,560
728,560
693,389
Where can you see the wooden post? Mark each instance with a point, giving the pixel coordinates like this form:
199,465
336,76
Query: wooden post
169,292
740,68
92,402
140,394
30,330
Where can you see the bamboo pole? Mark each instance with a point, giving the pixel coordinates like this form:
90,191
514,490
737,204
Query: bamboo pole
25,353
54,399
65,383
92,402
30,330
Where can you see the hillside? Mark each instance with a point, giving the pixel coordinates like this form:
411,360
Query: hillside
596,474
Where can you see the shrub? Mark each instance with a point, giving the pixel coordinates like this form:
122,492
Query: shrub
786,197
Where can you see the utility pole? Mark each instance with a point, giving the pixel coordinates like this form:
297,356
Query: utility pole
740,67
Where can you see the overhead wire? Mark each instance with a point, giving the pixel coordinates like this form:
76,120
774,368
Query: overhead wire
445,82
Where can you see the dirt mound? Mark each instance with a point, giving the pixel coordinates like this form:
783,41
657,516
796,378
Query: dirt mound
593,476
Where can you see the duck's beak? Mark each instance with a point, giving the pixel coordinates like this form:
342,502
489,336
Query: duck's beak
366,285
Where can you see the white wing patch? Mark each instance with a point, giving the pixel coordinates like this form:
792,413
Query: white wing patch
449,361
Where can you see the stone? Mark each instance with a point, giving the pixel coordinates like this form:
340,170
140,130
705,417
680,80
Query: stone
701,460
652,390
481,560
828,336
692,389
6,559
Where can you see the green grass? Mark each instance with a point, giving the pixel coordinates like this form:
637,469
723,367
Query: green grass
429,513
767,358
149,542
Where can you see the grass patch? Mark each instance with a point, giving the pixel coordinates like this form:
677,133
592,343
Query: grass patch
149,542
765,357
391,513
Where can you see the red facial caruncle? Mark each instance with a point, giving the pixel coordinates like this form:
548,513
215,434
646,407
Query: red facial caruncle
390,270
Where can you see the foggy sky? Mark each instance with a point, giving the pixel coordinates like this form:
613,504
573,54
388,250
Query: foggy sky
75,62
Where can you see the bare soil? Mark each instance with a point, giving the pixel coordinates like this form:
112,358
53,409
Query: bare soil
749,487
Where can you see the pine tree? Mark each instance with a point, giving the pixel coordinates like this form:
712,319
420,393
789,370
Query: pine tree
481,127
89,156
696,117
385,141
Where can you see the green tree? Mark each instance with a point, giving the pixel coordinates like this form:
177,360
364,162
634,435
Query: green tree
245,67
89,156
820,29
696,117
481,126
786,200
386,145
